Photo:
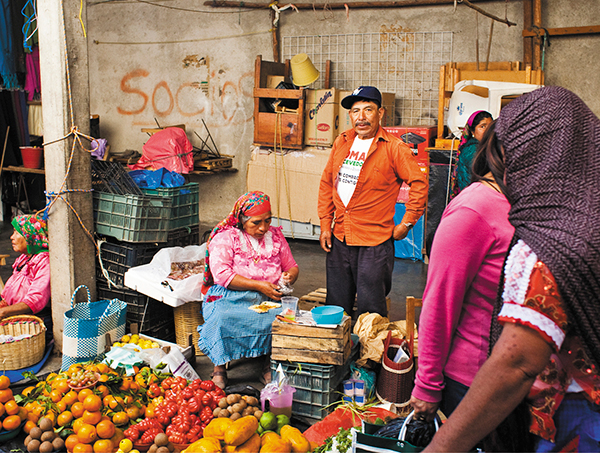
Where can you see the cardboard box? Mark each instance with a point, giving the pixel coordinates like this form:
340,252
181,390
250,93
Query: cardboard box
388,101
321,118
274,80
303,170
418,138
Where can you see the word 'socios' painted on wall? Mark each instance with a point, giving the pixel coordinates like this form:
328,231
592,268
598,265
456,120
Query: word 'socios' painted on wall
211,94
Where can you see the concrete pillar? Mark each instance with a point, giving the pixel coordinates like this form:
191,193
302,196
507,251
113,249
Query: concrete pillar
71,250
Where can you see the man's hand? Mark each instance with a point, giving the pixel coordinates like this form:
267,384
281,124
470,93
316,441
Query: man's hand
400,232
325,240
423,409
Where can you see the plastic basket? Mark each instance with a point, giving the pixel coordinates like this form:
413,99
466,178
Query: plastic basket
142,310
182,237
22,353
317,386
118,258
112,177
184,207
132,218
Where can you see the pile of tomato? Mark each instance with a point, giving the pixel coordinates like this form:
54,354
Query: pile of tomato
182,414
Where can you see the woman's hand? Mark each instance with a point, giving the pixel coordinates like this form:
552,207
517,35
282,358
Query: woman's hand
423,409
269,289
291,276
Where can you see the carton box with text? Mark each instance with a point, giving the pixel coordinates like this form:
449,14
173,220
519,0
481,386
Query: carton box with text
291,181
321,119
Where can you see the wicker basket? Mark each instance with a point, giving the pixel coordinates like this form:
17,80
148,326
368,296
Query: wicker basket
187,319
28,351
396,380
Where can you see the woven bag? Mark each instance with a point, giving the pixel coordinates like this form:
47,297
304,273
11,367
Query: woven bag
25,352
85,327
396,380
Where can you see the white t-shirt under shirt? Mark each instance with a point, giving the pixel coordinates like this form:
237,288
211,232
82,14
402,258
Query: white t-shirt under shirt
348,175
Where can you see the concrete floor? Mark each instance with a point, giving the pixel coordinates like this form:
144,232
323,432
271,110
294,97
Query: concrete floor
408,279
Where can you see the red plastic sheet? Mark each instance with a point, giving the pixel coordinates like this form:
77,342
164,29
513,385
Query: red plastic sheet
170,149
342,418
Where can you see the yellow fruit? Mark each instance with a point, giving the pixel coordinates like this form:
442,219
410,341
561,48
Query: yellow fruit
155,344
126,445
241,430
299,443
116,344
217,427
134,339
204,445
125,339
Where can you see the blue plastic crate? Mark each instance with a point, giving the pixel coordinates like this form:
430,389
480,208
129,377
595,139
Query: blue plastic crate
132,218
317,386
184,206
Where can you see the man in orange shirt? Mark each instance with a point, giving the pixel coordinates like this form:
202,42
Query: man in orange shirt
357,197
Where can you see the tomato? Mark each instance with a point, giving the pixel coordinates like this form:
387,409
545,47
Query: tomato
207,385
166,384
155,391
187,393
177,438
132,433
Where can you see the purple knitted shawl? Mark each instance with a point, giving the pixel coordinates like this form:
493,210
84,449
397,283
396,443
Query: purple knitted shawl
552,155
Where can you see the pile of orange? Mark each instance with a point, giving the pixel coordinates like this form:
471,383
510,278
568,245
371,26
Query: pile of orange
15,414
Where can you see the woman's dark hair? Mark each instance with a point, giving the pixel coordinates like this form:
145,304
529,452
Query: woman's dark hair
489,157
478,119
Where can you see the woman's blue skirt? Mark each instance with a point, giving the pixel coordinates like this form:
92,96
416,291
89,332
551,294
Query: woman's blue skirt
231,331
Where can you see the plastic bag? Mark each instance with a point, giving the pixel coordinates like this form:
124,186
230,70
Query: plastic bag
126,356
369,377
279,393
152,179
158,270
168,148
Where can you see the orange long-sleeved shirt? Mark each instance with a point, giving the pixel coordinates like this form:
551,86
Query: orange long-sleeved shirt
368,219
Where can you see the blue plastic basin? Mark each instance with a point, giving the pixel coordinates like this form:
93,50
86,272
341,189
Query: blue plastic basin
327,314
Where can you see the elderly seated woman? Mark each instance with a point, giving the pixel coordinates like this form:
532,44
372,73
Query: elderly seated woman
27,291
248,258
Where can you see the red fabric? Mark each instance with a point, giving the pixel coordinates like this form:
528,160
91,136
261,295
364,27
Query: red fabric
170,149
342,418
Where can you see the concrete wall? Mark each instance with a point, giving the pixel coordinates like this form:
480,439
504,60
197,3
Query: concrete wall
182,62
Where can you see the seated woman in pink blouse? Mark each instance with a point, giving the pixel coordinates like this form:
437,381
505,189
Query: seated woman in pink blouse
247,260
27,291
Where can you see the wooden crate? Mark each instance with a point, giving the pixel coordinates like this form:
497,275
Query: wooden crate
311,344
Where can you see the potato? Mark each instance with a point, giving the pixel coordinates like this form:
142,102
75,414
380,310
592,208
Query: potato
235,416
247,411
223,403
252,401
237,407
35,433
224,413
216,411
243,404
258,414
33,446
47,436
233,398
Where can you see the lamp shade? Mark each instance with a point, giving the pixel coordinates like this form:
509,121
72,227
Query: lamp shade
303,71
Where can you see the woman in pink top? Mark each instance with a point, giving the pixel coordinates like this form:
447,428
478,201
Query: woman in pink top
245,261
27,291
468,250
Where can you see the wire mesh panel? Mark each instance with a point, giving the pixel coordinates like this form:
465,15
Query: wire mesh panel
407,64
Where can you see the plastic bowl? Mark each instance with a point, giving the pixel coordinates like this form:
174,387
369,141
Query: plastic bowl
327,314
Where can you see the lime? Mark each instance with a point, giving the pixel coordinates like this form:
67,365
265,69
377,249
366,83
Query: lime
268,421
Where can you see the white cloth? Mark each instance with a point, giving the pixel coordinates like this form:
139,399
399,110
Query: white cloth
350,169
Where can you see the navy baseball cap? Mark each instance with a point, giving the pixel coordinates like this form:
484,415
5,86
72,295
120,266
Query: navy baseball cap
362,94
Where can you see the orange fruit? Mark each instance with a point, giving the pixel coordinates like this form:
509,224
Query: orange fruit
103,368
133,412
64,418
105,429
6,395
120,418
23,414
4,382
92,403
61,385
118,437
77,409
28,425
134,387
102,391
103,446
56,395
87,434
126,384
70,397
11,422
78,423
28,390
11,407
92,417
2,410
83,394
71,441
33,417
74,368
83,448
61,406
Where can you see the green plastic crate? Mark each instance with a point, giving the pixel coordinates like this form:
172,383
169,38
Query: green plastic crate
132,218
317,386
184,207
